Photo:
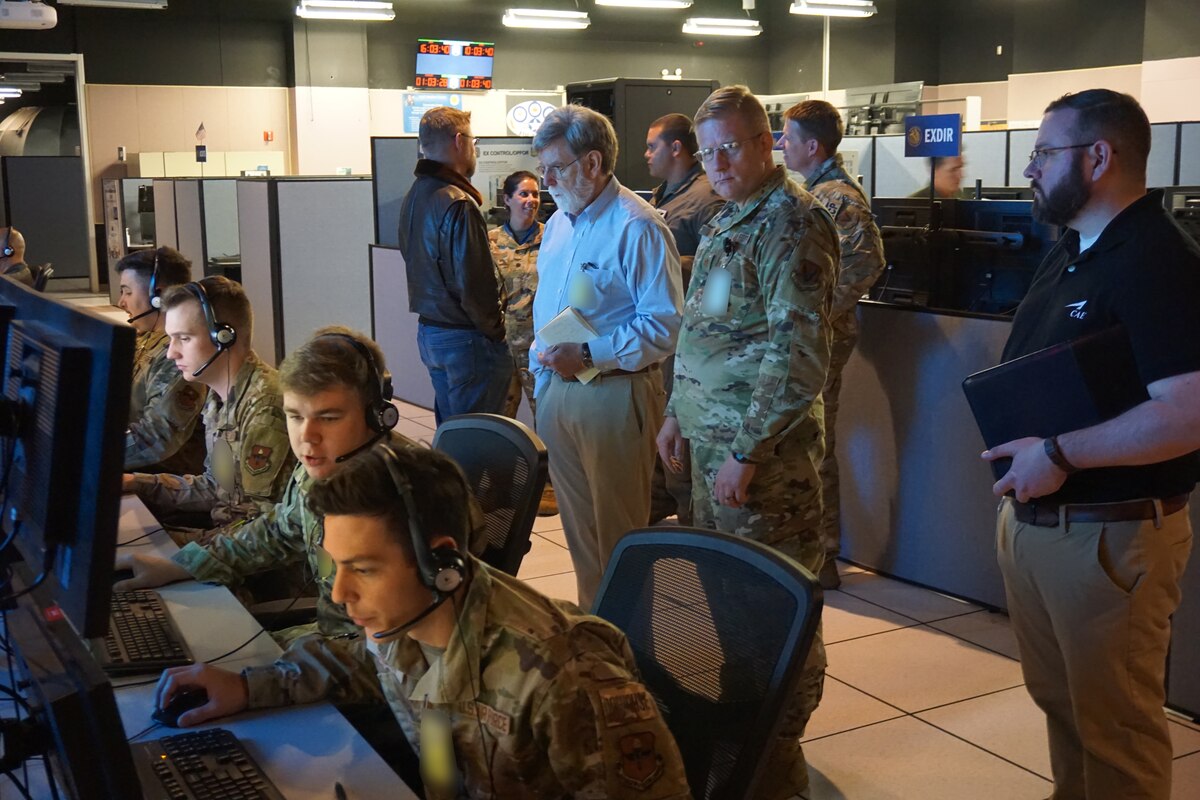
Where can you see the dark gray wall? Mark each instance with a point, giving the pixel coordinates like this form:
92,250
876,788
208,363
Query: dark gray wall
1077,34
1172,29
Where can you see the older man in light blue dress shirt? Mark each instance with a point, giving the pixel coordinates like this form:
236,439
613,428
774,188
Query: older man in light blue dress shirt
608,255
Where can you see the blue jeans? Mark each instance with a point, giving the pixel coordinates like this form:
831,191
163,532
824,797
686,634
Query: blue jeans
470,372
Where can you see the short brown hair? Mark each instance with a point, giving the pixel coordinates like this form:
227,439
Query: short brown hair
230,305
734,100
173,267
819,120
364,487
327,360
1115,117
677,128
439,126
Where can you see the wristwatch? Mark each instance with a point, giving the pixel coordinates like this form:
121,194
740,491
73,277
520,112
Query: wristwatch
1056,456
587,356
742,459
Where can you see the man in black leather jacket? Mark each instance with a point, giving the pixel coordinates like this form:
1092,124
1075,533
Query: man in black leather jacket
452,282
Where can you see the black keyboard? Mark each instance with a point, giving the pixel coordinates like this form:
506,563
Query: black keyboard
142,639
205,765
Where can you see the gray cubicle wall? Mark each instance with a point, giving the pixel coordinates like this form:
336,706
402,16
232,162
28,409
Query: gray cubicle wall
984,154
1189,154
394,327
864,146
1160,167
44,199
189,223
895,175
304,243
219,200
916,499
165,234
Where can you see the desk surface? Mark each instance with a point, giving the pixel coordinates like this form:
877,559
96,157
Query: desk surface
303,749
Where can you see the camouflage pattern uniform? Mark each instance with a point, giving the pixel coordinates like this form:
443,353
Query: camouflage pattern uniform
542,701
249,457
516,271
862,264
287,534
750,382
164,412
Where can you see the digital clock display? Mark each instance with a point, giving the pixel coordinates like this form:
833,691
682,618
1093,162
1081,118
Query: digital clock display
455,65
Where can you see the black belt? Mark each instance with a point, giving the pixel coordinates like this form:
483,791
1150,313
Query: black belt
1047,515
614,372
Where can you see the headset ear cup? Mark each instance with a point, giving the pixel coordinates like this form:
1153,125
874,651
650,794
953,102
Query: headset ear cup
451,569
155,301
387,416
224,336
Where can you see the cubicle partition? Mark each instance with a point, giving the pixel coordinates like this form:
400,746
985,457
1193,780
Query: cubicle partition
394,327
304,248
45,199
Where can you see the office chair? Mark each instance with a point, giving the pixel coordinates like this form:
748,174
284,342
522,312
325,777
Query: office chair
506,465
720,627
41,276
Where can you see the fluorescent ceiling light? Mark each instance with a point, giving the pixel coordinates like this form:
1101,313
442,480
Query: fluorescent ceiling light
364,10
143,4
646,3
834,8
717,26
8,91
545,18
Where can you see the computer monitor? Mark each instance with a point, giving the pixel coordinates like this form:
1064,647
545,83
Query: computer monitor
1188,218
65,398
913,212
1181,197
1006,193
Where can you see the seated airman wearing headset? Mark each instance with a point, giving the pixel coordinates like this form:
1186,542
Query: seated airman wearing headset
501,691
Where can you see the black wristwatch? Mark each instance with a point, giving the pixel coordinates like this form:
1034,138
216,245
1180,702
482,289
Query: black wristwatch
1055,454
587,356
742,459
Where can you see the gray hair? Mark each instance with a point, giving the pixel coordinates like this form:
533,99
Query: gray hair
584,130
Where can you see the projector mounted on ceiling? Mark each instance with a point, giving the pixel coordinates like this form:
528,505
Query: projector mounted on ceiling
26,14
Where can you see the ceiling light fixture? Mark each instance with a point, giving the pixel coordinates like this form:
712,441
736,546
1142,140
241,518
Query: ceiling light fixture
546,18
834,8
646,3
718,26
362,10
9,91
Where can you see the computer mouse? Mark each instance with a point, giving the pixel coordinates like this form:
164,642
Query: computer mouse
121,575
183,701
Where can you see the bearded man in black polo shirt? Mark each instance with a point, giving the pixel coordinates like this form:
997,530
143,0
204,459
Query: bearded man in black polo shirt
1093,545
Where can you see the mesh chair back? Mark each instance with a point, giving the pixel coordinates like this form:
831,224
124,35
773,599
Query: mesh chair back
506,466
41,276
720,627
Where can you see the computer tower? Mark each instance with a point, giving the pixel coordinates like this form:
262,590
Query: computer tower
632,104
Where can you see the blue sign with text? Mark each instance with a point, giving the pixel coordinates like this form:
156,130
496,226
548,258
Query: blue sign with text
933,135
417,103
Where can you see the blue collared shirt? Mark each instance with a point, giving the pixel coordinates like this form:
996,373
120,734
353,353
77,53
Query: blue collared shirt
622,246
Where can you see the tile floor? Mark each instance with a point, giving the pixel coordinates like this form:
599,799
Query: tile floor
923,695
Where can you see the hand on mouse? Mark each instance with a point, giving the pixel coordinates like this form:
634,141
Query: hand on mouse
227,692
148,571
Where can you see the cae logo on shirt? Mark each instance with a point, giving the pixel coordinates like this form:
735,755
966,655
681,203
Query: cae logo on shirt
1077,311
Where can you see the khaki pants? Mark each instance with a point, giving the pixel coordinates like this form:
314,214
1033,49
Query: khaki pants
1091,607
600,439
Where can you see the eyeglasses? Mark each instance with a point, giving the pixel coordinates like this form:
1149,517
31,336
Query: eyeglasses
730,149
474,140
554,171
1037,156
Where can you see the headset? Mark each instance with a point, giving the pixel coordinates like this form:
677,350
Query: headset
8,248
442,569
382,416
155,296
221,335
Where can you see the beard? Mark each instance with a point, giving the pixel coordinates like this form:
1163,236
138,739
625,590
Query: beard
1061,204
572,202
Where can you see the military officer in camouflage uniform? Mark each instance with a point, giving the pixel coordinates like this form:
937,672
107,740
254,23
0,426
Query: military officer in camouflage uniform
515,247
165,433
813,131
248,462
329,395
501,691
750,366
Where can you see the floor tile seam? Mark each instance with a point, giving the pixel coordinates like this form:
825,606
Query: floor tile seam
551,541
978,746
868,694
1185,755
967,699
974,609
915,624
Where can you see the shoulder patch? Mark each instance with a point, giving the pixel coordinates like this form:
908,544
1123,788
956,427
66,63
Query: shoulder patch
626,704
259,460
641,763
187,398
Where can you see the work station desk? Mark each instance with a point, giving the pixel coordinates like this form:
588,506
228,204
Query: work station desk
303,749
916,498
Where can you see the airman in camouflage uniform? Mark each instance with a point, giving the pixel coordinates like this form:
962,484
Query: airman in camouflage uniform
164,412
750,367
516,270
248,462
861,265
812,133
542,701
